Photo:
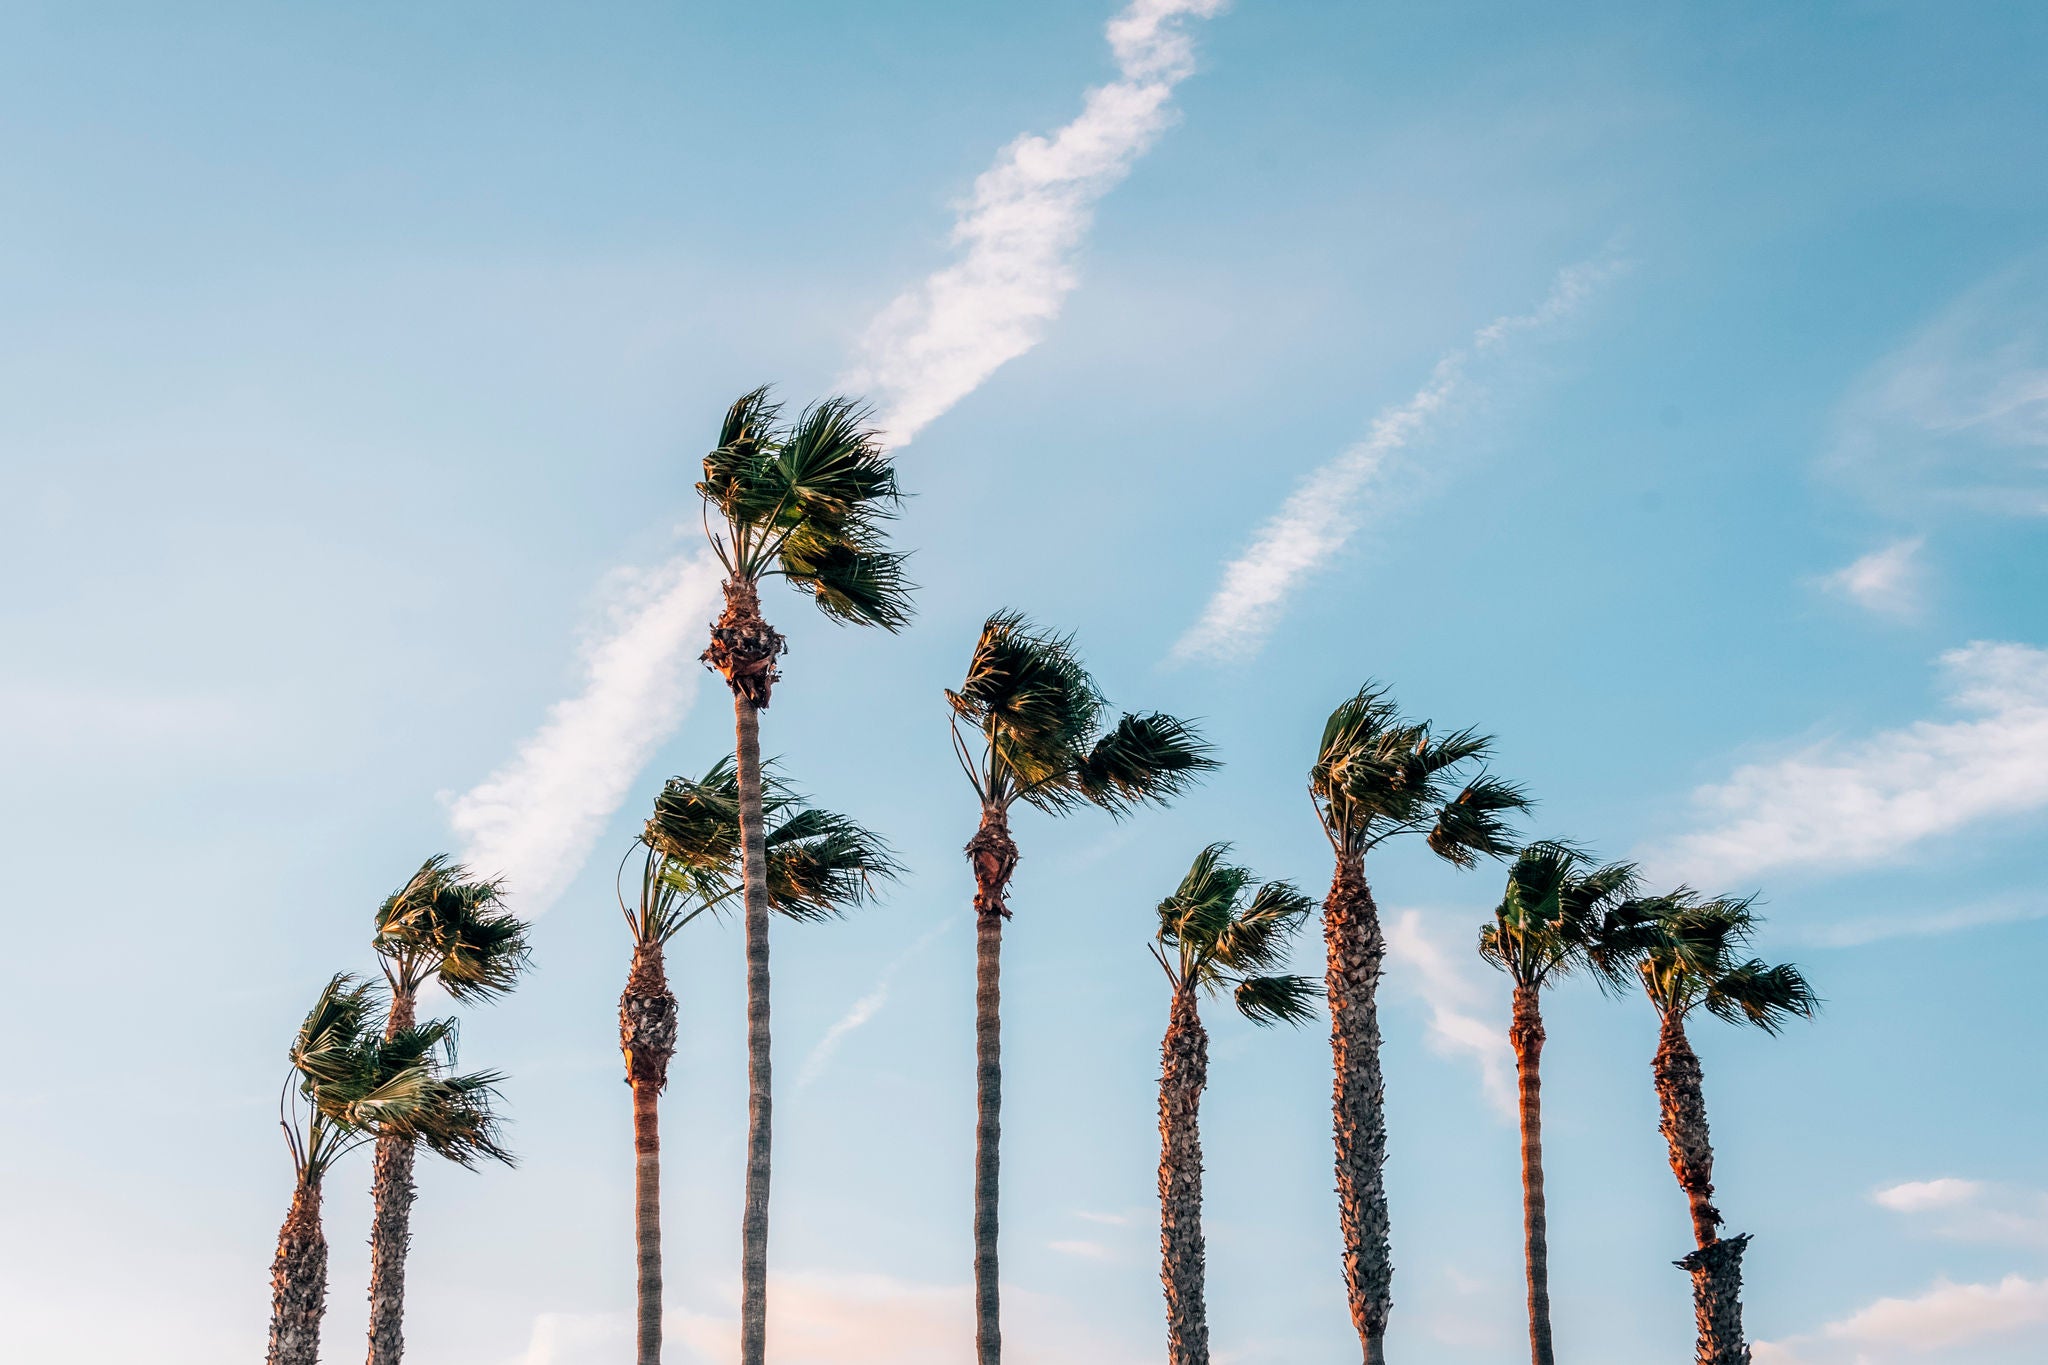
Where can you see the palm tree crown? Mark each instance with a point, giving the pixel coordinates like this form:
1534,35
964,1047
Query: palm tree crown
1213,936
1689,952
1378,774
1554,912
1040,720
445,925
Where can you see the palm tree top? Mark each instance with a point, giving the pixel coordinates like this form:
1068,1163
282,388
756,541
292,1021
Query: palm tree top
1378,774
1041,721
1213,936
449,925
353,1084
808,500
1690,952
1553,912
820,863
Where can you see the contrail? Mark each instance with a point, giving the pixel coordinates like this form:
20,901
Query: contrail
1323,514
864,1009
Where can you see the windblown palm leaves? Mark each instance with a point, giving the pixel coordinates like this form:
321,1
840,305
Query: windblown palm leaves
1550,921
1377,776
1212,937
352,1083
1689,953
446,926
1039,734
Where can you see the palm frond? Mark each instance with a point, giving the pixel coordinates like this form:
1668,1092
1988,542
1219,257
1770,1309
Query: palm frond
1031,700
853,584
1474,824
1765,996
1277,999
821,864
446,923
1150,757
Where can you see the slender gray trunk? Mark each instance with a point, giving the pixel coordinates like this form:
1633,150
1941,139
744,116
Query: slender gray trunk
1525,1033
392,1194
760,1091
647,1037
1357,950
298,1282
1183,1072
993,855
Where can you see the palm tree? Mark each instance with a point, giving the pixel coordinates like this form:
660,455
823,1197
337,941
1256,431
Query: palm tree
1687,950
1546,925
354,1084
1211,936
443,926
817,863
809,502
1379,775
1039,721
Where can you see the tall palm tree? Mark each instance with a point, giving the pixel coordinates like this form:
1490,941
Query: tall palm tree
1377,776
1688,952
808,501
817,863
1548,921
1038,720
352,1083
445,926
1212,936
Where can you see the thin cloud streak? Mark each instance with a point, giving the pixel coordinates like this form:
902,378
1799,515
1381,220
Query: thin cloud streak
536,819
1019,231
1887,581
863,1009
1324,513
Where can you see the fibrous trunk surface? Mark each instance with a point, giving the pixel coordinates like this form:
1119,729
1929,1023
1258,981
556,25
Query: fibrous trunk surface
298,1282
744,646
1682,1118
1357,951
760,1086
392,1194
647,1037
993,856
1525,1034
1183,1072
1716,1271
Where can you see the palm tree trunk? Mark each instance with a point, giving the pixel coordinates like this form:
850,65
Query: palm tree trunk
1525,1033
647,1036
298,1282
392,1193
1357,950
993,855
1716,1264
744,648
1183,1072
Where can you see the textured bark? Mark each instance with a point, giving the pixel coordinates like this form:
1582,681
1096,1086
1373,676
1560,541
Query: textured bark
1716,1271
647,1037
993,855
744,647
1525,1034
1683,1121
392,1194
1183,1072
1357,950
760,1090
298,1282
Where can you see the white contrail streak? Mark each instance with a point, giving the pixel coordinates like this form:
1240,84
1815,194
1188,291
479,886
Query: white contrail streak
1323,514
864,1009
1019,231
536,819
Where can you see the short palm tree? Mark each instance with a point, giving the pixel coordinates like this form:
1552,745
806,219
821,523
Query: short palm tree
807,501
1688,952
1215,933
818,864
442,925
1378,776
1038,723
352,1082
1546,926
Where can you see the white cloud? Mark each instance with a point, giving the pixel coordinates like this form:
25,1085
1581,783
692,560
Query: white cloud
536,819
1465,1016
1926,923
1970,1210
1946,1314
1082,1248
1890,581
1960,412
1870,801
1917,1196
1323,513
1019,231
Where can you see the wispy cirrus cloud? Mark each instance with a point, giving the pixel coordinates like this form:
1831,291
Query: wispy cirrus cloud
1019,231
1861,802
1889,581
1465,1017
1970,1210
537,818
864,1009
1322,515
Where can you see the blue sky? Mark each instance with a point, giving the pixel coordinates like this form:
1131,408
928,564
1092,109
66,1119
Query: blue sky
1663,388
